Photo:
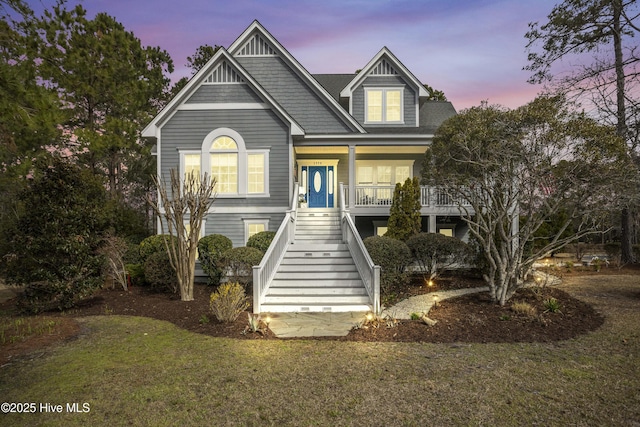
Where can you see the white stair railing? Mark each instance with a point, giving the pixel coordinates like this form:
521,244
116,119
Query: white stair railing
263,273
369,272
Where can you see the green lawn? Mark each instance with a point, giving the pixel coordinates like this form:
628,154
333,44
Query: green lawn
137,371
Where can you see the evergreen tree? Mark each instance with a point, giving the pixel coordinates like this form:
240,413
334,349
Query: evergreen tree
404,219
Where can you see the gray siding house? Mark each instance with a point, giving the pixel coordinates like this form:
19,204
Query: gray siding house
313,157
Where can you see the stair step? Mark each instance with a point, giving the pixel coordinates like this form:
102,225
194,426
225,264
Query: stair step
325,275
308,291
317,283
315,260
319,246
316,268
311,253
315,308
316,299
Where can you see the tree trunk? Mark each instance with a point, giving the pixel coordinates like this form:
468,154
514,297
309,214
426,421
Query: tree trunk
626,229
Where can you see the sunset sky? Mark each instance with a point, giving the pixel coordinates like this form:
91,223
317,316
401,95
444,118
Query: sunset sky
473,50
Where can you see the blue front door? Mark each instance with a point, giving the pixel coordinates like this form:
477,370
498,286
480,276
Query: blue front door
317,186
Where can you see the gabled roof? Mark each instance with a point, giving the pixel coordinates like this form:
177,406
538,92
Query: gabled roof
209,71
384,62
274,47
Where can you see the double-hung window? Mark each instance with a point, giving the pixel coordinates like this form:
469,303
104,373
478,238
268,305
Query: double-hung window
384,105
238,172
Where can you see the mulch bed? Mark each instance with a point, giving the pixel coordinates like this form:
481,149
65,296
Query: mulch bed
471,318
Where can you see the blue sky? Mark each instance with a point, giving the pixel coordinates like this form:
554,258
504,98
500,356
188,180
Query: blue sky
473,50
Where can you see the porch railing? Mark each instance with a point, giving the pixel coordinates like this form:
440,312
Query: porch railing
264,272
369,272
374,195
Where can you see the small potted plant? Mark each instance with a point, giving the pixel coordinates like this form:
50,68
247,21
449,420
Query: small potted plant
302,201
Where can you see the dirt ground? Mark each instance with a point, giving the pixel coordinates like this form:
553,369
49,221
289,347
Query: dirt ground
470,318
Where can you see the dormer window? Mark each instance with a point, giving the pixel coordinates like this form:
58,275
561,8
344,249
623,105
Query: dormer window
384,105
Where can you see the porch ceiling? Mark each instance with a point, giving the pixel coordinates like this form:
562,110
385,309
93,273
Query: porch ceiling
377,149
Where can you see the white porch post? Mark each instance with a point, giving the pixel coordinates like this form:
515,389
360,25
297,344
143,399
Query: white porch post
352,175
432,224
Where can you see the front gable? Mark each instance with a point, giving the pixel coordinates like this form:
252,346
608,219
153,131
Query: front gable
222,84
385,93
291,84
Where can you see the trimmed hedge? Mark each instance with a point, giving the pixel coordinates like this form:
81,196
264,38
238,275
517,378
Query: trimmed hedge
159,273
393,256
153,244
239,262
435,252
261,240
210,249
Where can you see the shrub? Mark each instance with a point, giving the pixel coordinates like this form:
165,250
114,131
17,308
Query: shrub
552,305
228,301
56,235
55,295
159,273
404,214
210,249
393,256
153,244
136,274
435,252
239,262
261,240
521,307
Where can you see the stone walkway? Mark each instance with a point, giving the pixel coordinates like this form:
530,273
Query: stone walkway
290,325
300,325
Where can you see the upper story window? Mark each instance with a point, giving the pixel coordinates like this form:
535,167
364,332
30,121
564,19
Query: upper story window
238,172
384,105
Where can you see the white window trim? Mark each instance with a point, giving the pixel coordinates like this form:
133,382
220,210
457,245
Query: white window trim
384,90
375,163
265,152
184,153
378,224
251,221
243,170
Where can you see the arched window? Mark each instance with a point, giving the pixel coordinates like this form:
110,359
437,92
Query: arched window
223,164
239,172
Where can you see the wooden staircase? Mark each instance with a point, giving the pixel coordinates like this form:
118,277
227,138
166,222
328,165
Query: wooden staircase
317,272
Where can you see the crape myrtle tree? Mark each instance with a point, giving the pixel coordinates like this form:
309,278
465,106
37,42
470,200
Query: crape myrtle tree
534,162
588,49
182,204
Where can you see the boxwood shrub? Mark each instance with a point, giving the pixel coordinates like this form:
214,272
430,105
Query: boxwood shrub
261,240
239,262
210,249
393,256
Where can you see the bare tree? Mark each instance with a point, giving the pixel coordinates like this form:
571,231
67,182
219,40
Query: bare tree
183,204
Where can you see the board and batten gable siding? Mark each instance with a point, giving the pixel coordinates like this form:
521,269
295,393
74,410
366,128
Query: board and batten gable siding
221,93
409,101
260,129
294,95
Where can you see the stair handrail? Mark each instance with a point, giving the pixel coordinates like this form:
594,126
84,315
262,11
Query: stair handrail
369,272
264,272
